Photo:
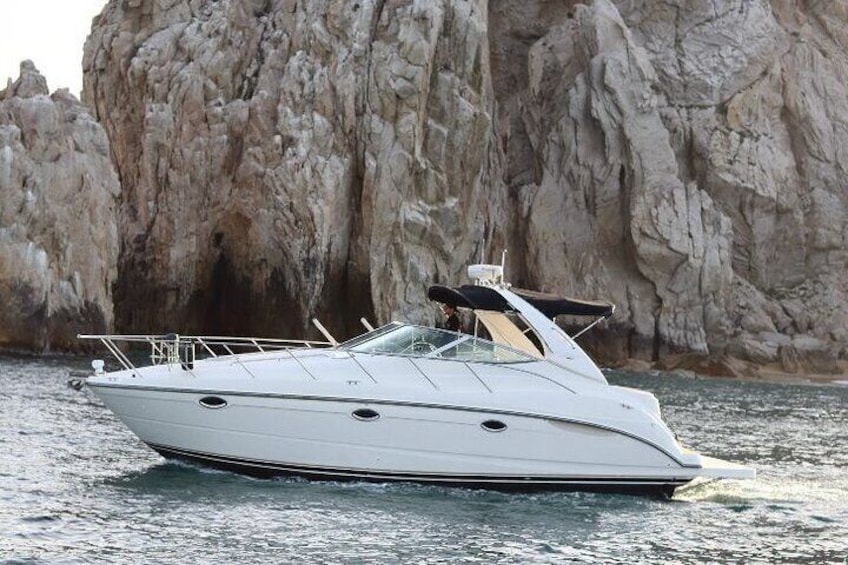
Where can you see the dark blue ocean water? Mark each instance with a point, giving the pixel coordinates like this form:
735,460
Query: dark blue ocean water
77,487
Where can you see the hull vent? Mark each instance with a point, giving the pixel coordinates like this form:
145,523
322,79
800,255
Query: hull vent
493,426
366,414
212,402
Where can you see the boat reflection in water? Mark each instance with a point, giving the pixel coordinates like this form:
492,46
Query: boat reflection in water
525,409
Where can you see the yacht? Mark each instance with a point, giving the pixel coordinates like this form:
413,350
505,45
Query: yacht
511,403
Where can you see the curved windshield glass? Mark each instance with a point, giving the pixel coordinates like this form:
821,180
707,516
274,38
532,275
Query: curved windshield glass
435,343
367,336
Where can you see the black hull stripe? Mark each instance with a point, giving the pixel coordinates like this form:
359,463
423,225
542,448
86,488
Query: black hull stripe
382,402
265,469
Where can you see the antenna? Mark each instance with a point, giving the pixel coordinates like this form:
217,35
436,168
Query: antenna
503,264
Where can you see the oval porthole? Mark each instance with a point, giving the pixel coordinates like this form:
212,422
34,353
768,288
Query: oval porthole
365,414
212,402
493,426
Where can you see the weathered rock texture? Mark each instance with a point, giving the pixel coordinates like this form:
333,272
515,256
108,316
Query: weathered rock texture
281,160
58,234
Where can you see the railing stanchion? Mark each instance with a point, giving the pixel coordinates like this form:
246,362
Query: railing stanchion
117,353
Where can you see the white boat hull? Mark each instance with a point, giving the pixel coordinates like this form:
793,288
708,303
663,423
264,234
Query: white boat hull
274,434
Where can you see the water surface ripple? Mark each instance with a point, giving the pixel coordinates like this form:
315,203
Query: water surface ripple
77,487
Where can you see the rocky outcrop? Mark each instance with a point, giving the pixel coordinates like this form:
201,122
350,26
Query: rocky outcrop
608,199
695,161
58,227
281,160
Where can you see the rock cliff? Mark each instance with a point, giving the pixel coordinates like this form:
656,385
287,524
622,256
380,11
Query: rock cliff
57,218
281,160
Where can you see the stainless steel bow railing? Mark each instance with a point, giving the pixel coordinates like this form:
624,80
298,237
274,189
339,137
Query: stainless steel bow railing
182,349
